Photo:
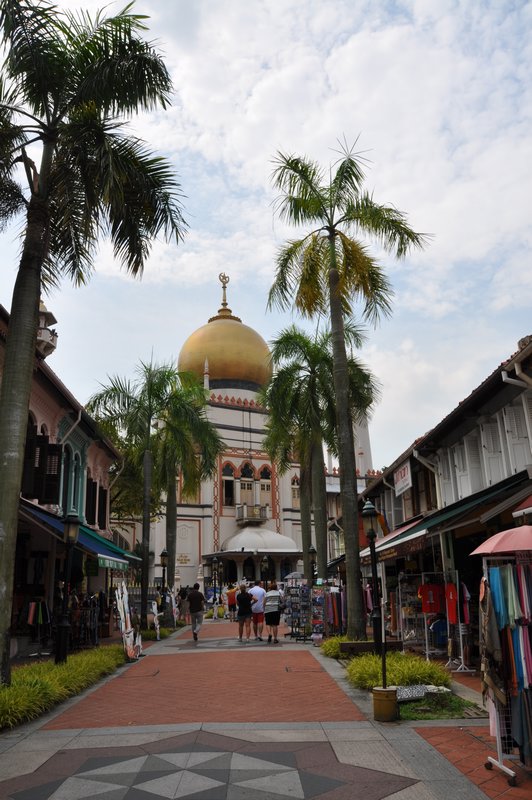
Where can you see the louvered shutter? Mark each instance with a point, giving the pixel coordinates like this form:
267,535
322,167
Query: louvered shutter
51,457
30,453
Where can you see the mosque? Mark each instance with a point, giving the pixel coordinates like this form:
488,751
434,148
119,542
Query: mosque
244,522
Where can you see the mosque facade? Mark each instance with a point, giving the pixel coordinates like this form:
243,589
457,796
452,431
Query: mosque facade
246,516
244,522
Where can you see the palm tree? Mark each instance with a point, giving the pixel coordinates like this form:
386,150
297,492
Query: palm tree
325,271
188,443
135,409
66,82
300,395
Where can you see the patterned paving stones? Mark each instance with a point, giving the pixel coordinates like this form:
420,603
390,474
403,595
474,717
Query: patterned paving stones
215,720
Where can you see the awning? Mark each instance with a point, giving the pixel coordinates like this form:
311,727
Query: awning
107,558
435,521
381,543
110,556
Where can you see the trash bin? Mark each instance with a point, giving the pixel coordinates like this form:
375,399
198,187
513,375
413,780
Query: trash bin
385,706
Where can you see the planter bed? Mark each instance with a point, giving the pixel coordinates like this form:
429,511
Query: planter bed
358,648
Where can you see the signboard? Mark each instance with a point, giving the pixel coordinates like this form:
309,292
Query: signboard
402,478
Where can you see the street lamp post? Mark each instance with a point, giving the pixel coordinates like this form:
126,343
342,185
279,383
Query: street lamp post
264,569
369,515
164,564
70,534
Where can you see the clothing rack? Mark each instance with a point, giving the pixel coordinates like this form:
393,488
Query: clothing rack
441,578
462,631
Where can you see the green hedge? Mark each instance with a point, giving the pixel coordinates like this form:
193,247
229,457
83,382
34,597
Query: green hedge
36,688
151,634
331,647
402,669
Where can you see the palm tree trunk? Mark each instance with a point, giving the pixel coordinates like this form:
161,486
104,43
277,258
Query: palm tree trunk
356,623
171,527
305,514
146,520
14,404
319,507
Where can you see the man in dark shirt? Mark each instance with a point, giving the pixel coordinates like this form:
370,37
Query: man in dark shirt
197,606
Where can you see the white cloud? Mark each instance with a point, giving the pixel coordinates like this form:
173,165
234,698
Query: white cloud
440,96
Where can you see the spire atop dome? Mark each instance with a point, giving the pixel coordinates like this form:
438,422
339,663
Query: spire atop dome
225,352
224,312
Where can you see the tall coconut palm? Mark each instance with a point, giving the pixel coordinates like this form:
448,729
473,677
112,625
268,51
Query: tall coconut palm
134,408
66,83
326,271
187,443
301,395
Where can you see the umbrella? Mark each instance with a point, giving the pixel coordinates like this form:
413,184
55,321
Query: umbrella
293,576
506,542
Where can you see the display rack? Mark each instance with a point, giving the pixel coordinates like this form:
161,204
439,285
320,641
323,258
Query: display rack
417,627
503,711
298,612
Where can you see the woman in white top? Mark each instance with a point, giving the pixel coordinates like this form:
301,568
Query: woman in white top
272,611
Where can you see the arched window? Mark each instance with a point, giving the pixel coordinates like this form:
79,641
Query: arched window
247,489
228,485
67,480
295,492
265,486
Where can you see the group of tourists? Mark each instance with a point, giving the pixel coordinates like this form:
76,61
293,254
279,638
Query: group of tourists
248,606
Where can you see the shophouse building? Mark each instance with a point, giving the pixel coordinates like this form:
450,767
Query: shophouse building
66,473
466,479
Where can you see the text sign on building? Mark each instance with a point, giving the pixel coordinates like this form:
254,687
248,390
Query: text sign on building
402,478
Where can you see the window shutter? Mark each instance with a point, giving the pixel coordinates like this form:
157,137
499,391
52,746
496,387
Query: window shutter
90,501
30,454
102,509
50,458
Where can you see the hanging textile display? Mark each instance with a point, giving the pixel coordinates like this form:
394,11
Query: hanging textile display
506,646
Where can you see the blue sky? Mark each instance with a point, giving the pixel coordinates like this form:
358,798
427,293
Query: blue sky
439,94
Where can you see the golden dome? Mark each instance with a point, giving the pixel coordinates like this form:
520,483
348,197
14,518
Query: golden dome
237,356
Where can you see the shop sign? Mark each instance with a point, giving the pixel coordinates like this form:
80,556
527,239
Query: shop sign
402,478
404,549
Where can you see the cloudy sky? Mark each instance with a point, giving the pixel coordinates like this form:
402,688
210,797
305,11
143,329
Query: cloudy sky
439,95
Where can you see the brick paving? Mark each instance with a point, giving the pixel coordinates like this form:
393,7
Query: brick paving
238,686
219,681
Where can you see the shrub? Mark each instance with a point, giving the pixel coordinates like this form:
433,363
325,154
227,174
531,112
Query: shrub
151,634
402,669
331,647
36,688
210,613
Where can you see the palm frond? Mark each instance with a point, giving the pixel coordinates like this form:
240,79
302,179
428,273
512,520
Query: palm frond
385,223
112,66
37,60
347,181
363,279
299,181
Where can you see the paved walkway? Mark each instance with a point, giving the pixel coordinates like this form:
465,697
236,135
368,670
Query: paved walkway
220,720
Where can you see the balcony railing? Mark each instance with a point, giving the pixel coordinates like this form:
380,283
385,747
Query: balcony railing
251,515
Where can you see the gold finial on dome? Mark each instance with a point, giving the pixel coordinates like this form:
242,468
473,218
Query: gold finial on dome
224,312
224,280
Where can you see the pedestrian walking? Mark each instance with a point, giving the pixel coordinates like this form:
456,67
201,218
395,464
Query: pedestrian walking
258,609
272,611
196,602
244,602
231,601
184,609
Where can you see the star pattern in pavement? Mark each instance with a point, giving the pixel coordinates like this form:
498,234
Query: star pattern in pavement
206,770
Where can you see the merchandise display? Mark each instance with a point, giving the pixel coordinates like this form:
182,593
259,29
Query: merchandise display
506,653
